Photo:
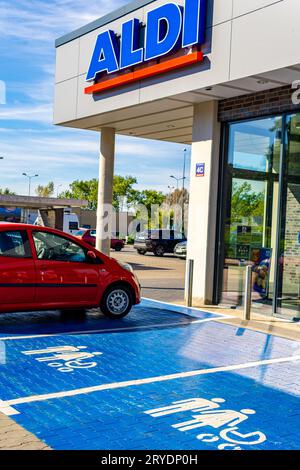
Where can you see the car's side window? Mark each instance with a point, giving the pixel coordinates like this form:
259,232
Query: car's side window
14,244
178,236
52,247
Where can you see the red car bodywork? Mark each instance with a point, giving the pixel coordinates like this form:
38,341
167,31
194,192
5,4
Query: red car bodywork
85,235
28,283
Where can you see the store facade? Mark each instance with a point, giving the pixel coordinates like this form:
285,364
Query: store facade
217,75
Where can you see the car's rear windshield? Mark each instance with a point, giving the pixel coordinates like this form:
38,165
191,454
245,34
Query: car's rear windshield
80,233
162,235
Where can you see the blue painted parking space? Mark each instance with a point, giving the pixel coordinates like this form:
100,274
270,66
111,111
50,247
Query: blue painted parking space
164,378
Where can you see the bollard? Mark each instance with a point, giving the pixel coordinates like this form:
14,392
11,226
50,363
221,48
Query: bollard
248,293
190,280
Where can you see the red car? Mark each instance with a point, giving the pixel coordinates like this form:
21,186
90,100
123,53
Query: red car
45,269
89,236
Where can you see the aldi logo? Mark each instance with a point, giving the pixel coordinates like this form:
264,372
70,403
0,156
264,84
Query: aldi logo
200,170
168,29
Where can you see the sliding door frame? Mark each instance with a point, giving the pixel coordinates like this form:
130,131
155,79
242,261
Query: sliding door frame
226,174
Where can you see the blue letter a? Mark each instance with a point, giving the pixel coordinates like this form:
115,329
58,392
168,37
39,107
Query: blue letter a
106,55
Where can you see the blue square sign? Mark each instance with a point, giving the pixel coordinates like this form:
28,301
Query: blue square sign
200,170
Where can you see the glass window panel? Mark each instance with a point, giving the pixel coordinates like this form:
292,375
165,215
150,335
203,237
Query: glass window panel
253,145
14,244
251,212
289,265
55,248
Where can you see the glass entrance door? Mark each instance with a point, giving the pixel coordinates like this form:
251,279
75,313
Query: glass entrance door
288,295
250,220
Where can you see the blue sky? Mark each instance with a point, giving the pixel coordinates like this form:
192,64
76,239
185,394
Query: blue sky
28,140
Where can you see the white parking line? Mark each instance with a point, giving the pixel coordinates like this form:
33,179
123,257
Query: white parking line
109,330
7,406
185,309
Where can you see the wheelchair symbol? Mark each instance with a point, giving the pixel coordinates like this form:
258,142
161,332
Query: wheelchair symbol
250,439
233,438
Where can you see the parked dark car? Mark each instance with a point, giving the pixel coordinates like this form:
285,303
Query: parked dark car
158,242
89,236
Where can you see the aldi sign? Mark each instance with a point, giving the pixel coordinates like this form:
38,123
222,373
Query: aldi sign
168,28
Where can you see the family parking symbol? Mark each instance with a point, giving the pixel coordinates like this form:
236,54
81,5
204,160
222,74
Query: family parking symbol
210,415
65,358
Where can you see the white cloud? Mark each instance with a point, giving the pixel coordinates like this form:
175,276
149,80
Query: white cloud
36,112
65,154
28,29
45,21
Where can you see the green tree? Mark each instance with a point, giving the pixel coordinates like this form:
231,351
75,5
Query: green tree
123,192
87,190
150,197
7,192
45,191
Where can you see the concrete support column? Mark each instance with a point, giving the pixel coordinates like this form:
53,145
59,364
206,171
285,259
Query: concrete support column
105,193
203,200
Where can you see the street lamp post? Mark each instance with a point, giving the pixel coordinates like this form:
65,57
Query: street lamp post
183,178
176,179
29,181
184,166
183,189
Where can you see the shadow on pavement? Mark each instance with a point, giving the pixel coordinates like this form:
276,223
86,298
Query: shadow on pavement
92,321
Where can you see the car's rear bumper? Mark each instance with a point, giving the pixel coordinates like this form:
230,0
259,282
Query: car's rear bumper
180,254
140,246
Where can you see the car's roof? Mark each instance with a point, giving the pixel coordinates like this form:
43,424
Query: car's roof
11,224
19,226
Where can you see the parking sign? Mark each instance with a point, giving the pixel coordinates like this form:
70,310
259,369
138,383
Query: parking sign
200,170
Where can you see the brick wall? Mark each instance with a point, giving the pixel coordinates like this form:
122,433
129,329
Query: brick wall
263,103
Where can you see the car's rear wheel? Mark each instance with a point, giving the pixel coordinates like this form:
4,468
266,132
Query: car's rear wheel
116,302
159,251
118,247
141,252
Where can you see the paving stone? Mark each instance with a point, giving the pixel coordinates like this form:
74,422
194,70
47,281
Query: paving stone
256,407
14,437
